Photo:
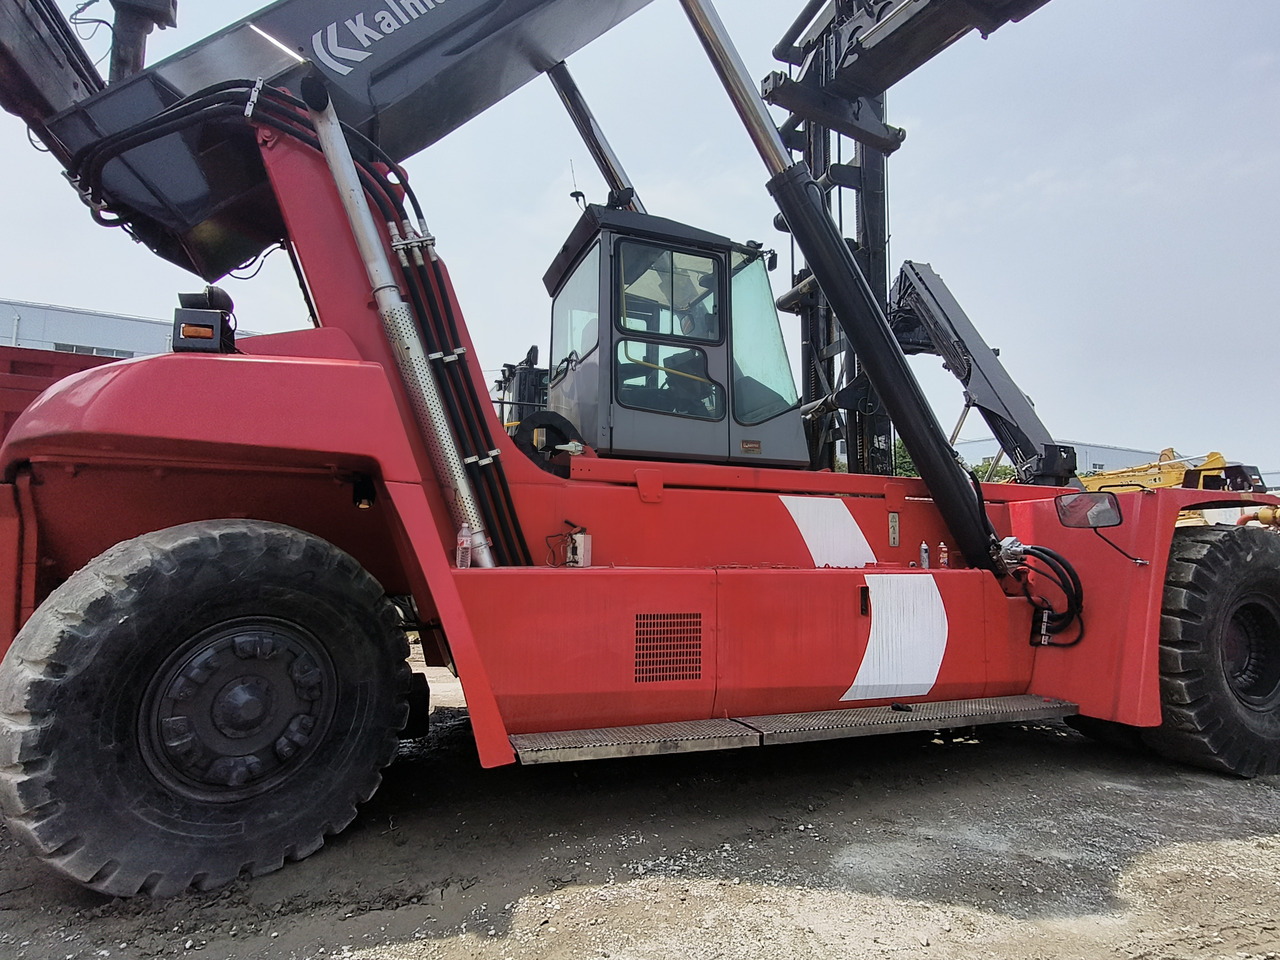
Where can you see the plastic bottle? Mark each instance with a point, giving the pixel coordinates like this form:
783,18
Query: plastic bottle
944,555
464,547
924,555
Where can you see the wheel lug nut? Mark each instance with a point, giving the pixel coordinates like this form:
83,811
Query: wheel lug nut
255,646
306,678
178,736
296,736
199,670
235,771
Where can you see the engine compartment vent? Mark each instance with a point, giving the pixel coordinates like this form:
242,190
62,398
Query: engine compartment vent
668,647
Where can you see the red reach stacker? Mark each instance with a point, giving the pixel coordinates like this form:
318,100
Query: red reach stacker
210,559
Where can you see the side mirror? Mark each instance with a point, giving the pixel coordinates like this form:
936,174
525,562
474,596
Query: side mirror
1089,510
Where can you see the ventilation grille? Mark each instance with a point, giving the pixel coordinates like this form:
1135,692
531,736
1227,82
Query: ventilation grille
668,647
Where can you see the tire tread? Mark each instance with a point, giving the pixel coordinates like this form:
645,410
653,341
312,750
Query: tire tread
1198,726
62,640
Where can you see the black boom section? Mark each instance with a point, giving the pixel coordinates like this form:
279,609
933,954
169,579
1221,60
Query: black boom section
803,205
926,318
43,67
403,72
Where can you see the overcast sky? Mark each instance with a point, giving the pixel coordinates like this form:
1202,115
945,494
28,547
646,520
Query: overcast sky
1097,185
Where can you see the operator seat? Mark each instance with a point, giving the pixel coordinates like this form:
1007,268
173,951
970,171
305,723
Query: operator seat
690,388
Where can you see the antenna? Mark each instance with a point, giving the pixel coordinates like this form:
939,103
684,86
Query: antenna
577,195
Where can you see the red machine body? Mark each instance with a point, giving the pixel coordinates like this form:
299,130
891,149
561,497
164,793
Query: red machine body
715,591
211,560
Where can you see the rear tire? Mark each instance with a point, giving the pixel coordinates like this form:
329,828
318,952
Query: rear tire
1220,651
196,703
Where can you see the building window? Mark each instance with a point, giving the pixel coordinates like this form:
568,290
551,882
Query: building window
92,351
1098,466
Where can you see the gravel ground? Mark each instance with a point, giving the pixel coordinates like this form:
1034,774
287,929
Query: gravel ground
1019,841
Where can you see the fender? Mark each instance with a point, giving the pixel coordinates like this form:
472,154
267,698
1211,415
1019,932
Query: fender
1115,673
145,449
281,411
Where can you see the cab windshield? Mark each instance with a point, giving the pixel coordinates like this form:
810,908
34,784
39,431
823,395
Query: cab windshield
762,383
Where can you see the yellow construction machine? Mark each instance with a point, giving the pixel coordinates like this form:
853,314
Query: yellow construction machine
1210,472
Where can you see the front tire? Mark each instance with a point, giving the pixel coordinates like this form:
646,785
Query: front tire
1220,651
196,703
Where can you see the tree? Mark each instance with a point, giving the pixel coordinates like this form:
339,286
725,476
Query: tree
903,465
1004,472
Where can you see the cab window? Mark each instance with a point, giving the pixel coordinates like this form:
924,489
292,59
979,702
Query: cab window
667,378
762,383
575,313
669,293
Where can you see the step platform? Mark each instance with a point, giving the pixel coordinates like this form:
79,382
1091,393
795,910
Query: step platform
691,736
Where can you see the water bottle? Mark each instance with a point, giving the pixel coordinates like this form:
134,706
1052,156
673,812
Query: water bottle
464,547
924,555
944,555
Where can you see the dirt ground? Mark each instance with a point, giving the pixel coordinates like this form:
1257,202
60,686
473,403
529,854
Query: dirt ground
1021,841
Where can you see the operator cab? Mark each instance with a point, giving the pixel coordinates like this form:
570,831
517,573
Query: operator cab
665,344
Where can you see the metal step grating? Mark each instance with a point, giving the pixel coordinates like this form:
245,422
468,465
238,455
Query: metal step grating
644,740
694,735
868,721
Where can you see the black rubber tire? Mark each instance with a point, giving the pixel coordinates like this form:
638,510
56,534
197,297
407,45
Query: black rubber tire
87,777
1220,651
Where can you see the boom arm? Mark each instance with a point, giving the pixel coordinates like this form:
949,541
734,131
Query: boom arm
927,319
43,67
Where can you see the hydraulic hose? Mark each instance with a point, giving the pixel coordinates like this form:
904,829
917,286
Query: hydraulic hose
457,388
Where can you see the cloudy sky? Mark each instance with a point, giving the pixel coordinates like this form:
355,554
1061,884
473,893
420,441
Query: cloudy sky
1097,185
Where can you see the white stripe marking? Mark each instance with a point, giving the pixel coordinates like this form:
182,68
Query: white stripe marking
908,638
832,535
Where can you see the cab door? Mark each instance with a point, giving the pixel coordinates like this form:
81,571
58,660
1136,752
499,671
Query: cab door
669,357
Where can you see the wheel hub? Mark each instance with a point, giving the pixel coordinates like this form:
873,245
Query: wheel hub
237,709
1251,653
242,706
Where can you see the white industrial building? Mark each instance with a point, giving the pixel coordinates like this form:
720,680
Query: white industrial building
1090,457
43,326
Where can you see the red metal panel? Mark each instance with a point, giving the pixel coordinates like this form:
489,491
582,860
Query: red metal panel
560,645
86,507
47,365
221,408
438,583
1009,663
26,373
321,343
325,247
703,527
1114,672
10,565
793,641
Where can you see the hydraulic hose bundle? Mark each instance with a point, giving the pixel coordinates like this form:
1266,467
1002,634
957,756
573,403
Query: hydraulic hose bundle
1054,567
421,275
1020,561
